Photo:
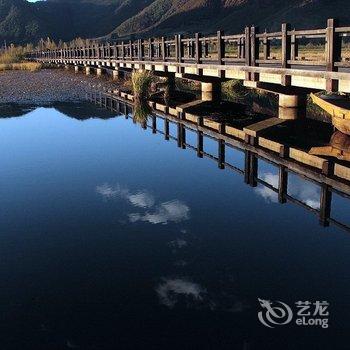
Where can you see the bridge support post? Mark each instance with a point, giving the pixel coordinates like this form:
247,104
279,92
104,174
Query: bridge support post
211,91
87,70
116,74
76,69
170,84
99,71
291,101
291,106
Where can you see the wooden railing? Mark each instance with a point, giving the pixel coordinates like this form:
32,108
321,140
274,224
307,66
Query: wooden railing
285,48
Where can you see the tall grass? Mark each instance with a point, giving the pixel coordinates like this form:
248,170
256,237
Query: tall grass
28,66
141,85
12,55
13,59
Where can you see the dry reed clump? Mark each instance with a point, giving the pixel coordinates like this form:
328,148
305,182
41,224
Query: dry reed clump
12,55
141,84
13,59
25,66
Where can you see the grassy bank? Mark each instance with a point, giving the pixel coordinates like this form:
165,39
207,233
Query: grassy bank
29,66
13,59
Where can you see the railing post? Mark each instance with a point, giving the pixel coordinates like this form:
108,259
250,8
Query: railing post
325,205
122,48
286,53
114,50
180,48
131,50
333,53
240,48
282,184
139,50
294,47
163,49
103,51
221,154
198,48
221,47
254,55
176,48
247,50
266,44
150,49
109,51
200,143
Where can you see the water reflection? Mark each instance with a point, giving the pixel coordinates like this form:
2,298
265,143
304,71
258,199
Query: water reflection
285,186
172,291
122,251
79,111
339,147
305,191
156,213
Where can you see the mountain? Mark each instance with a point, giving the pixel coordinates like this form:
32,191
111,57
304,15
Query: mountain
207,16
21,21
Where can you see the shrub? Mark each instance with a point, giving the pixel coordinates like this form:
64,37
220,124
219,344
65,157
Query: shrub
141,83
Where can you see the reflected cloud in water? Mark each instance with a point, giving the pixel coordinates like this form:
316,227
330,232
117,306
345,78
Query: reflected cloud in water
162,213
182,291
175,211
178,243
170,291
269,195
303,190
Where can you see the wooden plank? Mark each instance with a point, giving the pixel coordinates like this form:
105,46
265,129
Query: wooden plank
230,130
212,124
270,145
255,129
187,105
306,158
191,117
161,107
342,171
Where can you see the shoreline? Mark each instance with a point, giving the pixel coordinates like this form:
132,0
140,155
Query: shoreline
48,86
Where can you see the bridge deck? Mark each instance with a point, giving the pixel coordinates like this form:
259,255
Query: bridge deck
276,58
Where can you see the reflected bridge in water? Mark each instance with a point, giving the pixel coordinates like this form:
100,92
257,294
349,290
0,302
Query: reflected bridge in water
278,184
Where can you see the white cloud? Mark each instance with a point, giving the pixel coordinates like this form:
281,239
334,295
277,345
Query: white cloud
170,291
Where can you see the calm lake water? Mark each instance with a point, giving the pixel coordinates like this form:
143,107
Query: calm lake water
113,238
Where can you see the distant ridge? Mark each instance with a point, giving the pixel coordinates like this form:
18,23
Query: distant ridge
22,22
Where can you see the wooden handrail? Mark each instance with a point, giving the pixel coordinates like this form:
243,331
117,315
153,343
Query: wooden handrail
250,48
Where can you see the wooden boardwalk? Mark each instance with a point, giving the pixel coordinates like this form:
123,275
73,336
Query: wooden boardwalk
252,56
